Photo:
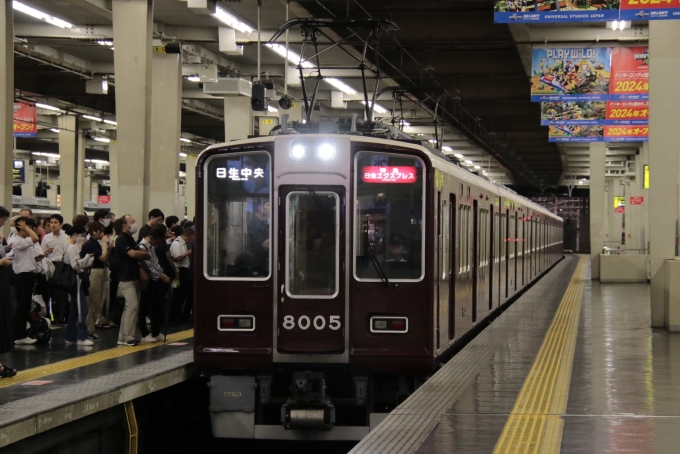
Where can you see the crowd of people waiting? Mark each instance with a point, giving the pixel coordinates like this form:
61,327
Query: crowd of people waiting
78,275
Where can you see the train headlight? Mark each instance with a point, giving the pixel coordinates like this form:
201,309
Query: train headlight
298,151
326,151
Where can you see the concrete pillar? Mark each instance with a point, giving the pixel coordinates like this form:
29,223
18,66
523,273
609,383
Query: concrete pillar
28,187
166,121
664,154
80,186
6,103
190,188
115,204
598,158
238,118
68,167
132,32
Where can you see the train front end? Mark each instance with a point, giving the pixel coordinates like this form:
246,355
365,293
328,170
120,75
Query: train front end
311,305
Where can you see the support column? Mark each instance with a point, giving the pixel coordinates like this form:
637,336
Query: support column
28,187
598,158
7,102
132,32
166,122
69,188
238,118
664,153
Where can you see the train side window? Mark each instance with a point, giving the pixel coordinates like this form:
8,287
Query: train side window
460,190
237,214
389,217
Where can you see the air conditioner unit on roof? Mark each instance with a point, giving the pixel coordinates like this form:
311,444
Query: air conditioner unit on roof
229,86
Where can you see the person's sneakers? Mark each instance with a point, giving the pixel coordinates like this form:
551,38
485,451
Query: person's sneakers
122,343
160,338
132,343
26,341
86,343
69,342
149,339
93,338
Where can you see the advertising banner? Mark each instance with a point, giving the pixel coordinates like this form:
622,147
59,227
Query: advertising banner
630,74
631,133
25,120
575,133
649,9
570,74
627,113
533,11
573,113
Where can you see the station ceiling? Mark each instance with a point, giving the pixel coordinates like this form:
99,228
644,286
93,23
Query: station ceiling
452,46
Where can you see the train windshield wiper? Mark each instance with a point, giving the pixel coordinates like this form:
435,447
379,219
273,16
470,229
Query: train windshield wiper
376,264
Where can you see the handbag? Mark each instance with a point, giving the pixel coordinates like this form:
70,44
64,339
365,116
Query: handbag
64,277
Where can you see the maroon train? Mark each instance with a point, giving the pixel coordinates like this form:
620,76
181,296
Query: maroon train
334,272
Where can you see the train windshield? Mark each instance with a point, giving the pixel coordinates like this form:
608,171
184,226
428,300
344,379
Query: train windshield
389,217
238,230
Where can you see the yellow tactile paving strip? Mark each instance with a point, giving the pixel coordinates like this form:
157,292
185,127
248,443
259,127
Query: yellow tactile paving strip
535,423
86,360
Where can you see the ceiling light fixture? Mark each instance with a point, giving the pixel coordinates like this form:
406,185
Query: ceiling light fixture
48,107
293,57
340,85
182,155
447,148
194,79
40,15
227,18
105,42
468,162
459,156
272,109
54,130
111,122
102,139
90,117
381,110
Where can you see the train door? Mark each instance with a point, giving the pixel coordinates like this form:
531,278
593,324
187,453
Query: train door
312,238
493,259
442,281
453,243
506,246
515,239
503,245
475,257
523,241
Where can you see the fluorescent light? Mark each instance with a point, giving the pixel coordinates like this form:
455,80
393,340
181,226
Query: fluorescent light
380,109
431,140
340,85
468,162
48,107
182,155
105,42
111,122
477,167
99,161
40,15
90,117
404,123
102,139
272,109
447,148
459,156
54,130
293,57
182,139
194,79
227,18
41,153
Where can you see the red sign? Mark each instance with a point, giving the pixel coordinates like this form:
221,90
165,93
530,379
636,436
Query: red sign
630,73
620,210
389,174
628,111
104,199
626,133
25,120
637,200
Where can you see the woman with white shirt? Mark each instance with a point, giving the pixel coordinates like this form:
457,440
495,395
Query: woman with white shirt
76,329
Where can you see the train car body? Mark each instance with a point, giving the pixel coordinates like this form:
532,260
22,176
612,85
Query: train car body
335,272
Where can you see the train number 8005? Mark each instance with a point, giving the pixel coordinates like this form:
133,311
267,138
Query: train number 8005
319,322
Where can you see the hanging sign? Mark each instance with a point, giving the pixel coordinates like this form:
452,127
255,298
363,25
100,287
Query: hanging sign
627,113
626,133
103,199
25,120
637,200
389,174
575,133
18,171
573,113
570,74
630,73
649,9
620,210
619,201
532,11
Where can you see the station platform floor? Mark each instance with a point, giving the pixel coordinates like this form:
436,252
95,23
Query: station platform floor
58,383
572,366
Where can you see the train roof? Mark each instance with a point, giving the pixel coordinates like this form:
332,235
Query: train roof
436,157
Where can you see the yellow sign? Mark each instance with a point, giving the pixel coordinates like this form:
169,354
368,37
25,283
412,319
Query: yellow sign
619,201
267,121
645,181
159,49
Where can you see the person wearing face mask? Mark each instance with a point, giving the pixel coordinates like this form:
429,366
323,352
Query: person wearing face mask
127,254
156,217
76,329
102,216
96,295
